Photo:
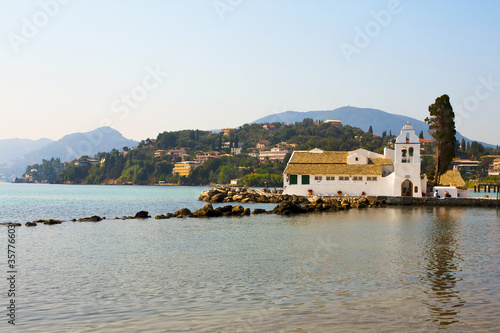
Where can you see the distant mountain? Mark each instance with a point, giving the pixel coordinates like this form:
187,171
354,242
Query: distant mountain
359,117
69,147
10,149
103,139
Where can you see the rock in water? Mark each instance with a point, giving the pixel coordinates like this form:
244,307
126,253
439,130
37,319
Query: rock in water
183,212
142,215
93,218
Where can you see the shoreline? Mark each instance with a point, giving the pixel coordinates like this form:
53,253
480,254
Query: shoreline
286,204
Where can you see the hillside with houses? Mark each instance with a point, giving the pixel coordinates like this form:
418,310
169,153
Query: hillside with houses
252,155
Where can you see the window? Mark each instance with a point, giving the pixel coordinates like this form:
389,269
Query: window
330,177
318,178
410,151
344,178
357,159
357,178
293,179
372,179
305,179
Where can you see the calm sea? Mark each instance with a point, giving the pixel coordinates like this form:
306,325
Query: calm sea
389,269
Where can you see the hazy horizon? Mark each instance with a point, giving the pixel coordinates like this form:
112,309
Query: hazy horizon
152,66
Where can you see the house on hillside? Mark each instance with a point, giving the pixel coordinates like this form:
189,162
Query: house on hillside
337,123
395,173
205,156
494,169
263,144
468,166
227,131
270,128
275,154
183,168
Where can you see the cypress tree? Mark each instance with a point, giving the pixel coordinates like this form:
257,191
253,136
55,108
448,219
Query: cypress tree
442,129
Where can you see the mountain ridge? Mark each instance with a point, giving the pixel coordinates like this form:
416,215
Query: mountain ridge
11,149
69,147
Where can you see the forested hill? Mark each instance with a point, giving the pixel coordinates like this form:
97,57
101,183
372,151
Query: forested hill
141,166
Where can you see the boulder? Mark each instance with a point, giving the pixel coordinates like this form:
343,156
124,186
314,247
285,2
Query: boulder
31,224
238,210
51,221
15,224
225,210
218,197
288,208
207,211
93,218
257,211
161,217
142,215
183,212
237,197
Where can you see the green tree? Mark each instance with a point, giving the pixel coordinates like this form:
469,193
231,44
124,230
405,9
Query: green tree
442,129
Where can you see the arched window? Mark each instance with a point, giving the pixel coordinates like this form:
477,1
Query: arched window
410,151
403,152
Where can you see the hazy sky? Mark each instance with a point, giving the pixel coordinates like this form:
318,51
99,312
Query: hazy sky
144,66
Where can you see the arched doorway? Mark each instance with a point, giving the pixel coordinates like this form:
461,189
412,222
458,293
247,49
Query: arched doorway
407,188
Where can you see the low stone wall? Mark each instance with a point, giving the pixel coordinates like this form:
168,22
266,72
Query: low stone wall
447,202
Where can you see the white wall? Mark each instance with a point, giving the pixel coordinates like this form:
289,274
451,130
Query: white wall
382,186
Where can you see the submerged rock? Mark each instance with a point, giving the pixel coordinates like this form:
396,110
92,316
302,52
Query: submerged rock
257,211
93,218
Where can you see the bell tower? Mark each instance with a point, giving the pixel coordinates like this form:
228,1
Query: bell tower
408,146
407,163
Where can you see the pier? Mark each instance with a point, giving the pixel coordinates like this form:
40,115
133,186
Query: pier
487,188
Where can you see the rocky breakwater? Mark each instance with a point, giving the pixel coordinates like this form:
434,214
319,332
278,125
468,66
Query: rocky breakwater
325,204
287,204
242,194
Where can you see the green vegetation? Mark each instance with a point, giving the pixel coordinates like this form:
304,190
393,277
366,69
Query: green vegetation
141,166
442,129
47,172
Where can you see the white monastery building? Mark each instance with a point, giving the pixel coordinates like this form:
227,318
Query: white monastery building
358,172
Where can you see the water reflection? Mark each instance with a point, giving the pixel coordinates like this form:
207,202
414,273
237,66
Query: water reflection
443,262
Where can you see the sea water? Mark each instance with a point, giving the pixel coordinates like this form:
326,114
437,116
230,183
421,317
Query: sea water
388,269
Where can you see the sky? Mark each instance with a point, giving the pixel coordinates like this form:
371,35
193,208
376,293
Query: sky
148,66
